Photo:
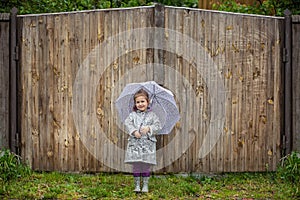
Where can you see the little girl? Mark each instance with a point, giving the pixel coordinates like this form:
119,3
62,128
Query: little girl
141,125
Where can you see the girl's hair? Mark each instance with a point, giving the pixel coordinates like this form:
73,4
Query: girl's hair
139,93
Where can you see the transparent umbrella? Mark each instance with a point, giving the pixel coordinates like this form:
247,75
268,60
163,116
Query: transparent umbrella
162,103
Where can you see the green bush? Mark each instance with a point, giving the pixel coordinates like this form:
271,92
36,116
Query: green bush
289,168
11,166
266,7
50,6
263,7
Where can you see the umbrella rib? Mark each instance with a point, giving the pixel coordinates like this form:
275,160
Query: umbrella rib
161,99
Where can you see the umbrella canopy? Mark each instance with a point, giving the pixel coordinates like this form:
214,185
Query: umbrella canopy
162,103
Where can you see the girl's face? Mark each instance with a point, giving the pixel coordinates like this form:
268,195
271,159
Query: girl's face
141,103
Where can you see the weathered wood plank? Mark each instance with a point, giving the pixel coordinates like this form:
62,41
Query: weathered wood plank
194,78
167,60
254,73
212,36
34,110
67,90
239,99
261,97
186,20
218,56
80,151
246,105
108,32
122,67
296,81
71,75
49,87
247,78
41,72
158,74
64,87
200,90
100,97
115,76
90,35
273,151
4,83
58,94
119,137
179,89
26,84
278,94
269,90
227,69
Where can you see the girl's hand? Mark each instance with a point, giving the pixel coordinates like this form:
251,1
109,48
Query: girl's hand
137,134
144,130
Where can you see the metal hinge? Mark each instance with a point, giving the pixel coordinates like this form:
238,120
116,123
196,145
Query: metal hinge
283,142
16,56
17,144
284,55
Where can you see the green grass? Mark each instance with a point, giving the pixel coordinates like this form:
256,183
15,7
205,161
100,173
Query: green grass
54,185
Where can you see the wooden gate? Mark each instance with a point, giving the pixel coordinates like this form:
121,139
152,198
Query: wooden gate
225,70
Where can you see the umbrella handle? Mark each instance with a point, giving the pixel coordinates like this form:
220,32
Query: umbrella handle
140,127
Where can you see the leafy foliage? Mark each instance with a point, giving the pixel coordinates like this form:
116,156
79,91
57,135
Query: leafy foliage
50,6
263,7
289,168
11,166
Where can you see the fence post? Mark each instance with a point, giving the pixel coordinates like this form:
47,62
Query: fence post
159,22
288,81
13,103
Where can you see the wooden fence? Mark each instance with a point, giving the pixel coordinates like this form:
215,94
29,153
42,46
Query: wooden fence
225,70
